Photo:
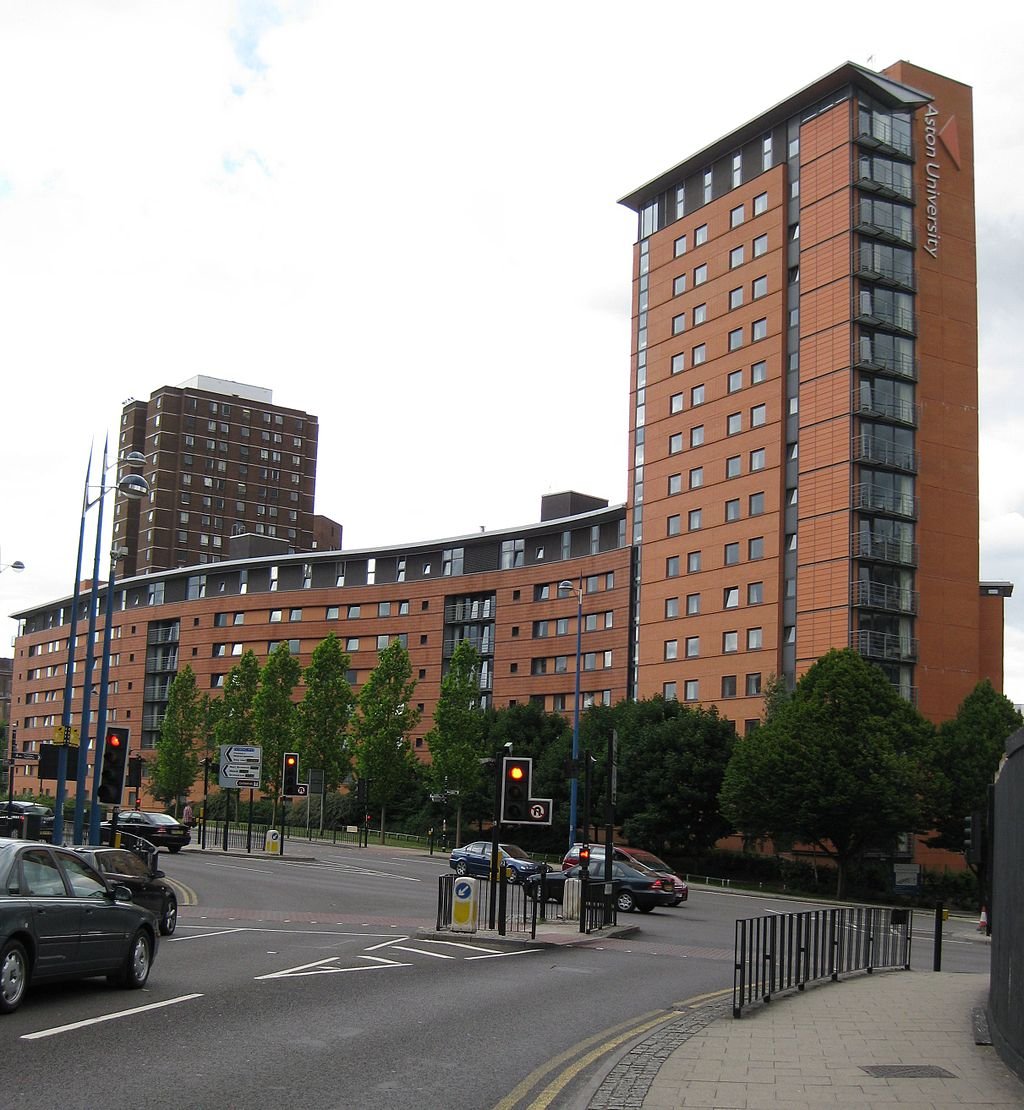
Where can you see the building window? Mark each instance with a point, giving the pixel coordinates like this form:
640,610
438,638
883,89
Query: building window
700,274
736,257
693,520
755,504
753,685
671,607
757,459
700,236
732,467
678,363
275,616
675,525
671,649
352,613
759,330
696,477
697,435
735,298
755,593
760,204
675,443
735,381
758,372
679,285
679,323
700,314
693,562
668,691
736,216
732,554
691,689
352,643
754,639
759,287
728,686
675,403
755,547
672,566
696,396
732,510
675,484
730,642
680,246
758,415
692,605
731,597
699,354
760,246
692,647
734,423
735,339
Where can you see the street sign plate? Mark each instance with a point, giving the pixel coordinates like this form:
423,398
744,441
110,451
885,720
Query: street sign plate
240,766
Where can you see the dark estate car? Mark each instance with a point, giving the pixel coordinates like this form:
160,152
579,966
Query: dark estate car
636,887
13,812
59,919
475,859
141,877
631,856
160,829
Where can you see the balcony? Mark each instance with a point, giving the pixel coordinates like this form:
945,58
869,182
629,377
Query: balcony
879,134
900,320
872,499
880,595
896,409
884,646
882,452
886,231
867,266
164,665
153,722
882,549
895,188
869,357
162,635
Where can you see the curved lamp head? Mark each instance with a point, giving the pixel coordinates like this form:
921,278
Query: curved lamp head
134,458
17,565
133,486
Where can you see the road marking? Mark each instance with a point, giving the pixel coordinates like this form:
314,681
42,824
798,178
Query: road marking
458,944
107,1017
499,955
320,967
424,952
204,936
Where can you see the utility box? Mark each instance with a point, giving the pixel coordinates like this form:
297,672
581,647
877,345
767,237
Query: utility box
272,843
571,899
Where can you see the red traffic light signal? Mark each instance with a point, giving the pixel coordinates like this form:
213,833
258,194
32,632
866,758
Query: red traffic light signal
115,759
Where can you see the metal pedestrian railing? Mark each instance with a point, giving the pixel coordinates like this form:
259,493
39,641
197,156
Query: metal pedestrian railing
780,952
514,911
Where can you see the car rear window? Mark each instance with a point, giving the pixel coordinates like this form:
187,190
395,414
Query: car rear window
648,859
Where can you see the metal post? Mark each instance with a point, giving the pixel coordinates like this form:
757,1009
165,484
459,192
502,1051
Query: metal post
62,755
574,783
937,956
206,798
90,659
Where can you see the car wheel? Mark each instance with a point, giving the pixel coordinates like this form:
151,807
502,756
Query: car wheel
169,921
513,875
625,901
174,849
645,909
139,960
460,867
13,976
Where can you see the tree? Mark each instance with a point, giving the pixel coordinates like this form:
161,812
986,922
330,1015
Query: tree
385,717
233,723
964,759
839,765
274,713
457,739
325,712
671,765
176,766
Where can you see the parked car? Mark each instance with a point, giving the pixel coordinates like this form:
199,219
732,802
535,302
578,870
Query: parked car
19,808
148,886
475,859
60,919
629,855
636,887
160,829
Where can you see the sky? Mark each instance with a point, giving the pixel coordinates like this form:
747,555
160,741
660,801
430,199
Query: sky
402,218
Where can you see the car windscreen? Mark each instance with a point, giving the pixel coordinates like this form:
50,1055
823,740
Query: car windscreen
160,819
514,851
648,859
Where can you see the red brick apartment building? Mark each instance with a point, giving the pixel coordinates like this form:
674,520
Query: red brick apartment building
803,461
804,399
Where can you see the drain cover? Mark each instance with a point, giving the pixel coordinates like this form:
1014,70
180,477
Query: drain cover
907,1071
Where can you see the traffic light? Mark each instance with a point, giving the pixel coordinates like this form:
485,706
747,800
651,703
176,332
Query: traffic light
135,772
585,855
290,774
968,835
974,832
115,759
516,775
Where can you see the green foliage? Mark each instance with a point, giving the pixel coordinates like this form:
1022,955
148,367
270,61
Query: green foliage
457,739
274,713
176,765
325,712
964,759
840,765
381,727
232,714
671,764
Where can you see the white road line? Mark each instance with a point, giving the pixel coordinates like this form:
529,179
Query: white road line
205,936
424,952
107,1017
320,968
386,944
457,944
499,955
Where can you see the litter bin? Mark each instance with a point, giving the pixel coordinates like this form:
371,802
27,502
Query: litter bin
272,843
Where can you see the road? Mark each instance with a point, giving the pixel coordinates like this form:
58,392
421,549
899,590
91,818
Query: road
304,978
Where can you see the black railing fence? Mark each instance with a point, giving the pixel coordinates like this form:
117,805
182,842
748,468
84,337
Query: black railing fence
514,911
780,952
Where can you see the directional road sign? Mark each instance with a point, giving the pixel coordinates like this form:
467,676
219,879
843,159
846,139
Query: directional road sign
240,765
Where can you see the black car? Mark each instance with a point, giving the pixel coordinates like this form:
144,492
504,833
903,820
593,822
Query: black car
148,886
160,829
14,812
475,859
636,887
60,919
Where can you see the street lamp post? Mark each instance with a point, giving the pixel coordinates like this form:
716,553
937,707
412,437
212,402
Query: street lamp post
134,486
16,566
564,587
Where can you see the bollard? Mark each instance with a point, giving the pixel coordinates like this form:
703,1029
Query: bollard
937,957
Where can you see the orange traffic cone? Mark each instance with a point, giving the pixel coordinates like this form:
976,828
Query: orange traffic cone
983,923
